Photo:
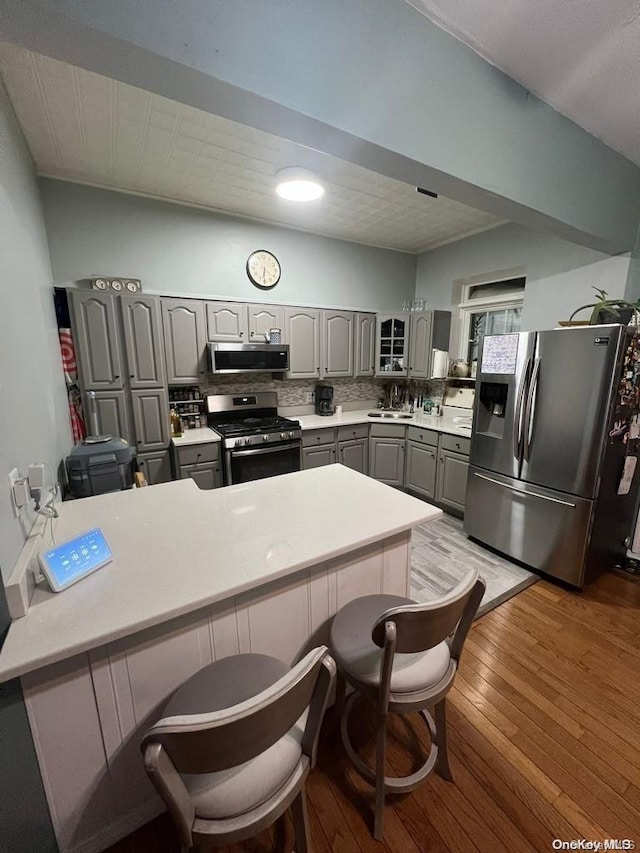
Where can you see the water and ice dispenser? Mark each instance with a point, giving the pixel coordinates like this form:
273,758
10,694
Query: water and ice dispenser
492,407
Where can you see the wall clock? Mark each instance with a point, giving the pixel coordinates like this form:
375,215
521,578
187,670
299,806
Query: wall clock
263,268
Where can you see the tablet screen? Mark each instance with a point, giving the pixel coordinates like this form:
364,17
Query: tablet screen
72,560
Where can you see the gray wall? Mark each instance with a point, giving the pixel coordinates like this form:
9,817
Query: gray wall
35,417
559,274
34,426
182,250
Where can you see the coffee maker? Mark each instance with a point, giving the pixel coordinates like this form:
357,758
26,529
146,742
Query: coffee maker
324,399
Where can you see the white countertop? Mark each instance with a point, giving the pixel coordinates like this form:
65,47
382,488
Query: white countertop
200,435
443,423
178,548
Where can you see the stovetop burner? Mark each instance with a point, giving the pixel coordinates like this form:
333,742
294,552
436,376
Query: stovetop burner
253,426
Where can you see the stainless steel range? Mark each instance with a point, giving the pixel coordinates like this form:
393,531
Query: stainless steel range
256,441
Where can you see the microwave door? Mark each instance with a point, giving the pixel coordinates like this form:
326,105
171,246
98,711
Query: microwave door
505,364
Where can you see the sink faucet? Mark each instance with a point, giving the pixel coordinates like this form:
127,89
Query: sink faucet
393,402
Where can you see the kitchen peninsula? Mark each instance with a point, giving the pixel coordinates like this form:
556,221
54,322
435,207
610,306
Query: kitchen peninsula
196,575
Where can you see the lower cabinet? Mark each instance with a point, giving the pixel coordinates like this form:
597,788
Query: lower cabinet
354,454
437,467
315,457
451,487
387,453
318,447
201,462
156,467
206,476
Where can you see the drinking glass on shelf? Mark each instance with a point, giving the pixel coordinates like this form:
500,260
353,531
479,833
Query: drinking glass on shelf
417,304
406,305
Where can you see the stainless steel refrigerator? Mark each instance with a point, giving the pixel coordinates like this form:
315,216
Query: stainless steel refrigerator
552,478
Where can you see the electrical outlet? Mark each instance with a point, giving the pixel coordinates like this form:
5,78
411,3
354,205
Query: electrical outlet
14,476
309,397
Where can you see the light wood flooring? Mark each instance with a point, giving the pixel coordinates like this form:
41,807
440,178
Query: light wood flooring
442,555
544,738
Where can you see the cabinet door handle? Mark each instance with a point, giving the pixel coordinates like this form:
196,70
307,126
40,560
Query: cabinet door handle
241,334
132,376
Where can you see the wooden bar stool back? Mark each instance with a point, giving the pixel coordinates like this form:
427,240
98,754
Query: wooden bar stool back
404,656
235,746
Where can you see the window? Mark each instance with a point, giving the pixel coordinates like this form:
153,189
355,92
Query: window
491,308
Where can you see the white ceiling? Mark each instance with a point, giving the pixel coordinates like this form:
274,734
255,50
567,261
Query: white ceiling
87,128
580,56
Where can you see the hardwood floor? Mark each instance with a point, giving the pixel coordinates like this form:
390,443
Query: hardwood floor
544,741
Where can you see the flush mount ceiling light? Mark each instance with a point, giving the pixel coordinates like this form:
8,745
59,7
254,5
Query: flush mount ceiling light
296,184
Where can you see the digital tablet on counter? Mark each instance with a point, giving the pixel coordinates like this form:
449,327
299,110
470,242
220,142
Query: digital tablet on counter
74,559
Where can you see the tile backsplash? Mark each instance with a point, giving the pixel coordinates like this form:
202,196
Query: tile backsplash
293,392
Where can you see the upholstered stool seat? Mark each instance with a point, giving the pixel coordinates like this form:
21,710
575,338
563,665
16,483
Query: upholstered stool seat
404,656
235,744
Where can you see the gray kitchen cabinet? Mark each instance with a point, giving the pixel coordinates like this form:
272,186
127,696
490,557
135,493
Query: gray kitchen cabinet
97,340
315,457
113,415
336,344
421,469
354,454
263,318
318,447
422,459
142,326
392,345
151,419
302,333
451,487
206,476
386,453
386,460
365,342
183,324
429,330
201,462
156,467
227,322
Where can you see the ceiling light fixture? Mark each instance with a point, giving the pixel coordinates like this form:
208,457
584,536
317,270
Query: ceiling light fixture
296,184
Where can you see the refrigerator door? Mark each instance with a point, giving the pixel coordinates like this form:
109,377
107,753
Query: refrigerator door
544,529
504,366
567,408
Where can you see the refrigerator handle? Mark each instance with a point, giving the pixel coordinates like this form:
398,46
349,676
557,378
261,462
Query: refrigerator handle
528,412
517,418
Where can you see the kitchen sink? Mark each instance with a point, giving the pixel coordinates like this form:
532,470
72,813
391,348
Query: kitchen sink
387,414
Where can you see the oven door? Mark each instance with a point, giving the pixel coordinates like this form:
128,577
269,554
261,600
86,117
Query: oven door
255,463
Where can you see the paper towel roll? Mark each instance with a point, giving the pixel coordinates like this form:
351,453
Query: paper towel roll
440,364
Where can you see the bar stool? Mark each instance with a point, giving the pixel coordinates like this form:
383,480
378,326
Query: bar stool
404,656
235,745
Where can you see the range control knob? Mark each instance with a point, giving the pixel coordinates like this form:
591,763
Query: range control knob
283,435
290,435
265,438
247,441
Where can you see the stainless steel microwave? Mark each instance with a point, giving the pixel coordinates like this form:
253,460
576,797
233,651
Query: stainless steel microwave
248,358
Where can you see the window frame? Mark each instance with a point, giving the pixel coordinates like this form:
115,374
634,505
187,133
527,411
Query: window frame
467,307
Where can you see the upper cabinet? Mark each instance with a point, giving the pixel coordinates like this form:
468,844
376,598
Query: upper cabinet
336,344
392,345
365,340
183,322
429,330
227,322
142,325
97,340
235,322
302,333
263,318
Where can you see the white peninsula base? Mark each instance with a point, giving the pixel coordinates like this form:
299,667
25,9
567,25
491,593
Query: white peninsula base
277,559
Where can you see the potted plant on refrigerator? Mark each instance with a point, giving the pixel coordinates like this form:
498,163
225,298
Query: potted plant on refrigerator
605,310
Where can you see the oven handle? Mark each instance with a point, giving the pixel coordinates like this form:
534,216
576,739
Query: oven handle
260,450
